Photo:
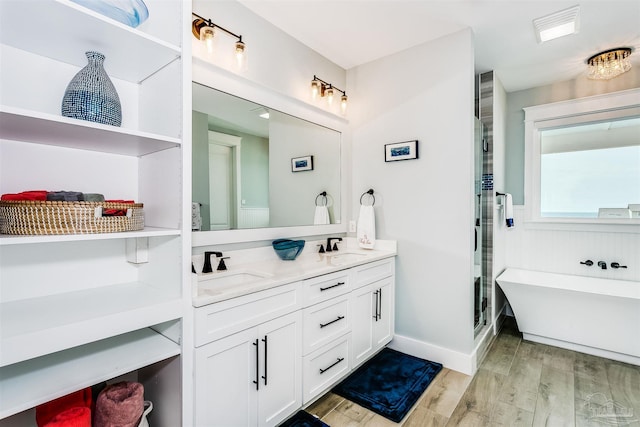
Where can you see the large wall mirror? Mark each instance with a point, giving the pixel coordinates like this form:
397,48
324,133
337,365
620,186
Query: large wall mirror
255,167
583,160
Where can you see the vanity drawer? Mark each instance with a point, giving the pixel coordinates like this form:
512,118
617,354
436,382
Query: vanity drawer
325,287
218,320
324,367
325,322
368,273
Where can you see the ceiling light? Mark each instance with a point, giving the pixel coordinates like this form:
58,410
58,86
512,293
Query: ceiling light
558,24
264,114
609,64
320,88
204,30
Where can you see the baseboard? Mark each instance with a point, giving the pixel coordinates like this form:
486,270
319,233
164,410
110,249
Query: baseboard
450,359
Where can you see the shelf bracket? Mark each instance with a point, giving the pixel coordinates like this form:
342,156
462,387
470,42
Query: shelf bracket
137,250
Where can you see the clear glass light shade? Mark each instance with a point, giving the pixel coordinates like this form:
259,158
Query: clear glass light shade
241,54
206,36
315,88
343,103
608,65
329,94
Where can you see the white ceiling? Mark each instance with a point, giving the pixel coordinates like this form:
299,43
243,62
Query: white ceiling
354,32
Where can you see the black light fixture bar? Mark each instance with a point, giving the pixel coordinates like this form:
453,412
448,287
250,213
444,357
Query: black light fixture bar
210,23
329,85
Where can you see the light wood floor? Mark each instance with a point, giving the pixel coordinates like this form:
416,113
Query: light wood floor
519,383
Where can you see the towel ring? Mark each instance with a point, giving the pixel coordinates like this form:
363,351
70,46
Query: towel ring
370,193
324,197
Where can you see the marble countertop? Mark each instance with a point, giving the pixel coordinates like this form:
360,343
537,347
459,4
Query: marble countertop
254,270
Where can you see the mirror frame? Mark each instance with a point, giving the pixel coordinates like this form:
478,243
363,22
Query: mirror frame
582,110
217,78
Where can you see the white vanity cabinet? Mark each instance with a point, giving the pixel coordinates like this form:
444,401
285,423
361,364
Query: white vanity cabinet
251,378
248,360
262,356
373,301
77,310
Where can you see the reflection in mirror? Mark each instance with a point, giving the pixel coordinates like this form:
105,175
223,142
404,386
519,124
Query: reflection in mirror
244,173
591,170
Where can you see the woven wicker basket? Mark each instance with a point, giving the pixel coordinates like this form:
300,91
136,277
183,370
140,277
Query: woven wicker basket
55,217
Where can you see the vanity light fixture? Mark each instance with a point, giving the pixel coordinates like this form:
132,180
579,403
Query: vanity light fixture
558,24
609,64
205,30
322,88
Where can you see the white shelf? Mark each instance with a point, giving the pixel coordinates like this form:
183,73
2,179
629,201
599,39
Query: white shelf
34,327
6,239
64,31
30,126
27,384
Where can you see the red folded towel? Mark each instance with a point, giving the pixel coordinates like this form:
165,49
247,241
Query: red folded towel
78,416
120,405
47,411
26,195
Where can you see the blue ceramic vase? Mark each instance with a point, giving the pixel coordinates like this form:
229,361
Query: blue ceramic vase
91,95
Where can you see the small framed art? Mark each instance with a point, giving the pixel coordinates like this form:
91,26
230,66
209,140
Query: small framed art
299,164
407,150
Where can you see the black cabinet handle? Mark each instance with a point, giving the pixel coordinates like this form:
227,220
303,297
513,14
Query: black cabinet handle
379,303
340,359
332,286
256,382
375,315
322,325
264,377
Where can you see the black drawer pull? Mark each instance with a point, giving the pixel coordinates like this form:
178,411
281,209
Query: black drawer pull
322,325
332,286
340,359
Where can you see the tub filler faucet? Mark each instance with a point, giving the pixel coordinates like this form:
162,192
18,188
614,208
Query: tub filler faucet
602,265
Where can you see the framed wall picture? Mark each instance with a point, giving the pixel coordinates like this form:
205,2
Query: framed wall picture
299,164
407,150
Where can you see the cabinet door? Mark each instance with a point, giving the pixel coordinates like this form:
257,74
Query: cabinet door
383,324
363,310
225,371
372,319
280,369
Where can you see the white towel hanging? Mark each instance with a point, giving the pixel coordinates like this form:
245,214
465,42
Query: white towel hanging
366,229
508,210
321,216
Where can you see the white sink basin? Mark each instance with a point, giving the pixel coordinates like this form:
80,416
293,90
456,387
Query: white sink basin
347,257
220,282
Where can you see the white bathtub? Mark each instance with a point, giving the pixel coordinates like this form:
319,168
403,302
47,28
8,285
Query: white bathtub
586,314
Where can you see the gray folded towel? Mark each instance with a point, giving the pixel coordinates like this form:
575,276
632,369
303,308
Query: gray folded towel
93,197
65,196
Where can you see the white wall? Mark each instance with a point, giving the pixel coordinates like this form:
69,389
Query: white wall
561,251
274,59
425,204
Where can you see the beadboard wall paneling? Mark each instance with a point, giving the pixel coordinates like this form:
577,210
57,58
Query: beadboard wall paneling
560,251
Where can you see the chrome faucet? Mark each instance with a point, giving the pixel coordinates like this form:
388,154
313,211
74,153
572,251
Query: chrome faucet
335,245
602,265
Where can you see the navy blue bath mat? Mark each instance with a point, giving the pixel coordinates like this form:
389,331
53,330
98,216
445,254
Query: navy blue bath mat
390,383
303,419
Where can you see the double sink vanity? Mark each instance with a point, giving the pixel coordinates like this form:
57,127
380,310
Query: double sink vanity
271,336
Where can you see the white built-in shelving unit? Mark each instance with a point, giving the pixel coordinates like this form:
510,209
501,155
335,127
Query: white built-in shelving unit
78,310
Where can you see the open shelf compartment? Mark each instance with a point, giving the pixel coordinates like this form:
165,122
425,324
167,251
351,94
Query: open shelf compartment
34,327
29,126
30,383
64,31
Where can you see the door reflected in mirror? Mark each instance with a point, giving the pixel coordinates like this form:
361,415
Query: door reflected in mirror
242,166
591,170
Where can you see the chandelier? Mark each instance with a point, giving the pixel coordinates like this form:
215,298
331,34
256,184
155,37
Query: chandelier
609,64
